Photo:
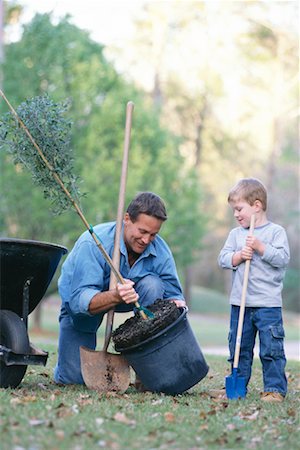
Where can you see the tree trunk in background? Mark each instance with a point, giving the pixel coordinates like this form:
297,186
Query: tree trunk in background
1,41
187,290
274,155
277,112
37,317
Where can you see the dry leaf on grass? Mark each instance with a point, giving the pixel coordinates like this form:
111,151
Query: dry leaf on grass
121,417
248,416
23,400
37,422
169,417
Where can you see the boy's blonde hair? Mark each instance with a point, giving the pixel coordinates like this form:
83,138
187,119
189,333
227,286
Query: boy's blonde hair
249,189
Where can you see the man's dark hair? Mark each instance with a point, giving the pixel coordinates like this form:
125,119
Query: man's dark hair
147,203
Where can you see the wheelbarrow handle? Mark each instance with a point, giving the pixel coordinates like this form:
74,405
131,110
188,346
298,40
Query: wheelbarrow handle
243,303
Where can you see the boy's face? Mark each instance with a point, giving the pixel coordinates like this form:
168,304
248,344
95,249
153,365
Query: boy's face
242,212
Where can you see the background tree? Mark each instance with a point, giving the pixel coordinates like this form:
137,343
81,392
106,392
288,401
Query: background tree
224,75
215,88
98,96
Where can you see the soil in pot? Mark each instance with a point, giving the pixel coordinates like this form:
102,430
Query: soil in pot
136,329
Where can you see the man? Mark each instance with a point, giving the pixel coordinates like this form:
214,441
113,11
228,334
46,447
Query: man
146,263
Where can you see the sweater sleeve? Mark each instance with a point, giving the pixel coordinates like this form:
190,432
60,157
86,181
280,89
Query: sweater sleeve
277,252
227,252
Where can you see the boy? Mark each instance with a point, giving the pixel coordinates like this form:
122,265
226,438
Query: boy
268,251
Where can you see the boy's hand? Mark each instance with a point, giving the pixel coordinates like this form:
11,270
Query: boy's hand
255,244
241,256
246,253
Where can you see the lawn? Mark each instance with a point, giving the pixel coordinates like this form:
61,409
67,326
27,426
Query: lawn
42,415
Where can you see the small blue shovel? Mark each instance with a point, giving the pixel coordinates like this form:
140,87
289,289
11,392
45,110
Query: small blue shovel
235,385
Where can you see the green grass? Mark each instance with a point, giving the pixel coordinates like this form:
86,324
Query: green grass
208,301
40,415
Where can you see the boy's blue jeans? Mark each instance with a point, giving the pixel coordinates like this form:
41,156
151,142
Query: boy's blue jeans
67,370
267,322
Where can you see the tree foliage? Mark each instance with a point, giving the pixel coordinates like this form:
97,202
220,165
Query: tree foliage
45,149
97,97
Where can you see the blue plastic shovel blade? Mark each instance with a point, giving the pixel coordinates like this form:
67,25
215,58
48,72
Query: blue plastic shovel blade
235,386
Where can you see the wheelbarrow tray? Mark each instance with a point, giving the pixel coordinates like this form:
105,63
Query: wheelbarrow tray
23,260
26,270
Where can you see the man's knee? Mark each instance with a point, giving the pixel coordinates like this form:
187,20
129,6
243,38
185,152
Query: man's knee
70,374
149,289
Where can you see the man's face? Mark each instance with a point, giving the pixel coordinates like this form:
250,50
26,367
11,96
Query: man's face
139,234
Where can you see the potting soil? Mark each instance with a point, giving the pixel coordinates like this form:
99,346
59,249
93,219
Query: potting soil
136,329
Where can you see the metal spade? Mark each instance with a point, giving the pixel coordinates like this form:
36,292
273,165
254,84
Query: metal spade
101,370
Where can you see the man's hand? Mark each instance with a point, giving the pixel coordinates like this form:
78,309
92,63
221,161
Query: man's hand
179,303
127,292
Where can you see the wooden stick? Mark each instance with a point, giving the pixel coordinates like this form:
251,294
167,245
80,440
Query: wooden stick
75,205
243,303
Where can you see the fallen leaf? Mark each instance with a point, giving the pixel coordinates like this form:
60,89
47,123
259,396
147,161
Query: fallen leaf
23,400
84,396
169,417
252,416
15,401
202,415
291,412
60,434
86,401
99,421
121,417
36,422
75,409
157,402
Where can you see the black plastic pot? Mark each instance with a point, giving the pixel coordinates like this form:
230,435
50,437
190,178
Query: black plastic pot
170,361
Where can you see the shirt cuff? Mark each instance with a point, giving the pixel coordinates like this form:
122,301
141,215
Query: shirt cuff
228,261
85,300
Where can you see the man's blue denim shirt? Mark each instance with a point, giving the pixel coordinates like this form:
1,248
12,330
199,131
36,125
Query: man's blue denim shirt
85,271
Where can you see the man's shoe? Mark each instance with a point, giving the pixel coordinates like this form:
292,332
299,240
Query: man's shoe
272,397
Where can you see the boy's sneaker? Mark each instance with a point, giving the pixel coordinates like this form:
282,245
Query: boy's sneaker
272,397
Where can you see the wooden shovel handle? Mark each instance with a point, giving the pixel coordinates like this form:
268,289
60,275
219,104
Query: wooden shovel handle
243,303
121,203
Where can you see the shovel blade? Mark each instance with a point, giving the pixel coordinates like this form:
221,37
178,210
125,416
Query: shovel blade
235,386
103,371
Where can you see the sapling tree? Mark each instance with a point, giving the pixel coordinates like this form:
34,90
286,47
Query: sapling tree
51,131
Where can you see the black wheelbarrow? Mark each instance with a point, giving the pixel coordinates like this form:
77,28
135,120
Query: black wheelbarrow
26,269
